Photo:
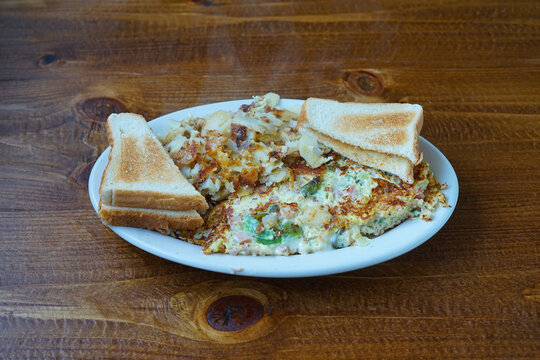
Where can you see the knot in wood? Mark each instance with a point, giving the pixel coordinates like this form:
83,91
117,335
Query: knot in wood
364,82
82,173
232,313
48,60
100,108
203,2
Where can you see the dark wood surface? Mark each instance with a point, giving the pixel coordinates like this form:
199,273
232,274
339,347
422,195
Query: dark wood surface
71,288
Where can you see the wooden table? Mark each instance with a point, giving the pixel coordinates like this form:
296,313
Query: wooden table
69,287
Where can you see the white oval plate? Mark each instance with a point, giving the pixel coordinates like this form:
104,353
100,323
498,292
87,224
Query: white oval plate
391,244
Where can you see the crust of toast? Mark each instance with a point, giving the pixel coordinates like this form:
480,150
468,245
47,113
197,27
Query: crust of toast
149,219
140,173
156,200
386,128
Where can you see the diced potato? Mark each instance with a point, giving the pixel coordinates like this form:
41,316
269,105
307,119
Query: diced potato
316,217
311,151
272,99
219,121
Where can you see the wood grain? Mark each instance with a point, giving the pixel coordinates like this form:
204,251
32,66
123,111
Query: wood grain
70,288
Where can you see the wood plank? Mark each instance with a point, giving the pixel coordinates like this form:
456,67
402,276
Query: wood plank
70,288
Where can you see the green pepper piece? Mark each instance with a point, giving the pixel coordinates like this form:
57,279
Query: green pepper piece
266,237
250,224
335,240
311,187
290,230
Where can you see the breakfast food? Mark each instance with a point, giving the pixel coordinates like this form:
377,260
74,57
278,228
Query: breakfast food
141,186
149,218
387,128
383,136
225,152
277,188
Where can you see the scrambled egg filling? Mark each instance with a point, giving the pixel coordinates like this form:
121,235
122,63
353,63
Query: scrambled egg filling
276,191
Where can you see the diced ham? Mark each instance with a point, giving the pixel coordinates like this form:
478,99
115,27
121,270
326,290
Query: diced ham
234,219
242,237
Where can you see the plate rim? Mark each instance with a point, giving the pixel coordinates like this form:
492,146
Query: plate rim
271,266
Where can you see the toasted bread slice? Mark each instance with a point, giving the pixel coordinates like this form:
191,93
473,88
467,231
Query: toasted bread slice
385,128
140,174
396,165
149,218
